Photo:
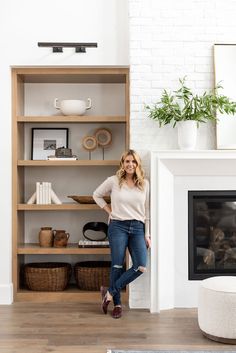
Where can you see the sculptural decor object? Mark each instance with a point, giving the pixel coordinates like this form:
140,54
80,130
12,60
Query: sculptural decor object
102,138
73,106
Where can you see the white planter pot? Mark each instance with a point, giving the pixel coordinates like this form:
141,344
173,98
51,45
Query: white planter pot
187,134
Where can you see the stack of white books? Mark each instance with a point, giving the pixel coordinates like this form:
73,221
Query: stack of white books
54,158
44,195
93,244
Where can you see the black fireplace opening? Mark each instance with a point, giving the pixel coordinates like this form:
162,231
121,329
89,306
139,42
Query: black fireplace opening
211,233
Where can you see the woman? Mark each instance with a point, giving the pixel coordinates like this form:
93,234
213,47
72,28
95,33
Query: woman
128,225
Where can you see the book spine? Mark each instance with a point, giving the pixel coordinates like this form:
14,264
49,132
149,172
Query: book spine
40,193
43,192
49,193
37,192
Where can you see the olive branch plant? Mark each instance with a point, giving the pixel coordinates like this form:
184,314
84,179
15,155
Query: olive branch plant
183,104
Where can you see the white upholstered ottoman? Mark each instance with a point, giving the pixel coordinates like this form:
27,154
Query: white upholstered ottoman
217,308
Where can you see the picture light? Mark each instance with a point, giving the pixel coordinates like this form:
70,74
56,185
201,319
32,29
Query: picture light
57,47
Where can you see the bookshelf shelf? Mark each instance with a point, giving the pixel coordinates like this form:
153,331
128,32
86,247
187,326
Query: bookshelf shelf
77,163
71,249
71,119
54,207
71,294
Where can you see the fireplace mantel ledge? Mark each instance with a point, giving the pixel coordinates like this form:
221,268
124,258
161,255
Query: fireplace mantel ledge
197,154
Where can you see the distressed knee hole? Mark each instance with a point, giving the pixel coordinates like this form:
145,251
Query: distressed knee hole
117,266
142,269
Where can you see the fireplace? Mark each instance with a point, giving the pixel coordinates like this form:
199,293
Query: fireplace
211,233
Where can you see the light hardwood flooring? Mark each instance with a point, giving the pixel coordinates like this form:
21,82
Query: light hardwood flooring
82,328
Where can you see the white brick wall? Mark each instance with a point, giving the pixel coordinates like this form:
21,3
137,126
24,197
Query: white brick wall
168,40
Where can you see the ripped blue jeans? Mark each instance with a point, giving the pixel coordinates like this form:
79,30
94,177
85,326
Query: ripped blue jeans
122,235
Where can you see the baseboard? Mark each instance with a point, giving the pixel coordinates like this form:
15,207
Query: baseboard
6,294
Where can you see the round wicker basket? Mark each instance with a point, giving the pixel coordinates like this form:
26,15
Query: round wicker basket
47,276
91,275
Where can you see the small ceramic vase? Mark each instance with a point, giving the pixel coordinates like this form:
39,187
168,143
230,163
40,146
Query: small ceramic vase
46,237
60,238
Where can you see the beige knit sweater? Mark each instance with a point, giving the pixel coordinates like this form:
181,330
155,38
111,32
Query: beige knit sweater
126,202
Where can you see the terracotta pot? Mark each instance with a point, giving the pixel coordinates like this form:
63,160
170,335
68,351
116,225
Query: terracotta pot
46,237
60,238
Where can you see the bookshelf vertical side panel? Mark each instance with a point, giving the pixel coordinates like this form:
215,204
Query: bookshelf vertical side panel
20,139
20,177
127,111
17,175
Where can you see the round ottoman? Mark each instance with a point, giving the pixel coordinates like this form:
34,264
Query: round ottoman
217,308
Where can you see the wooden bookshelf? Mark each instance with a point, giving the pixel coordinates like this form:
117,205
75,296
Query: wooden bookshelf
24,119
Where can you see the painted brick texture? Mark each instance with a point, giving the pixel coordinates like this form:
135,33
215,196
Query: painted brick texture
168,40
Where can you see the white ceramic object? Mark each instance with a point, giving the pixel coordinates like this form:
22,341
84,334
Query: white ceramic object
73,106
187,134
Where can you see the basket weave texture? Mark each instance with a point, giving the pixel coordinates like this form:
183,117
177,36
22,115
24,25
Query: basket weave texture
91,275
47,276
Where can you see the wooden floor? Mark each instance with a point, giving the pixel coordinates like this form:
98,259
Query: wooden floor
73,327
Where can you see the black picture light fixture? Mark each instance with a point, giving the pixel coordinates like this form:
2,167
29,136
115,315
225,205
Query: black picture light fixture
58,47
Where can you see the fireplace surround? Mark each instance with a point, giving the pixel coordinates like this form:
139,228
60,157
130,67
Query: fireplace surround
173,175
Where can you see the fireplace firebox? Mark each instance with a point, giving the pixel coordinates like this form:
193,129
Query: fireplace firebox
211,233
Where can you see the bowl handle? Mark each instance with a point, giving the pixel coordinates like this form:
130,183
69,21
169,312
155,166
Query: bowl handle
89,104
56,103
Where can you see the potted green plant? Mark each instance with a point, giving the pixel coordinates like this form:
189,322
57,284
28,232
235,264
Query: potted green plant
187,110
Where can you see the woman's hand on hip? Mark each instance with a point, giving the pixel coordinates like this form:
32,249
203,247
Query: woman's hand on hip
107,208
148,241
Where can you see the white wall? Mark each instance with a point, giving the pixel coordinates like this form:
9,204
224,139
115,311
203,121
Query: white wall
22,25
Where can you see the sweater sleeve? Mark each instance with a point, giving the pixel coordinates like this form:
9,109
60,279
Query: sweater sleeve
147,210
103,190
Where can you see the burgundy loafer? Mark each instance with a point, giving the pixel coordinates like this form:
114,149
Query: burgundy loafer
117,312
105,302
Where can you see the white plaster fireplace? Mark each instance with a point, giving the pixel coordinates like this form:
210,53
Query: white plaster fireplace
173,174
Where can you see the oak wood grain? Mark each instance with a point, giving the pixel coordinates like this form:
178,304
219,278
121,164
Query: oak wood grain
82,328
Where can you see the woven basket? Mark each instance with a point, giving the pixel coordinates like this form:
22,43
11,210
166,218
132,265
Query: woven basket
47,276
91,275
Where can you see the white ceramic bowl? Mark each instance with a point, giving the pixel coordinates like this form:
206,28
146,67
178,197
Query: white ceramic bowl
72,106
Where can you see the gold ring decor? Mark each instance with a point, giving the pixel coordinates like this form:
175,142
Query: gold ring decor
103,136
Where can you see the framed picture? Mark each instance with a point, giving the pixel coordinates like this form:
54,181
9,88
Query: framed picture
46,140
225,74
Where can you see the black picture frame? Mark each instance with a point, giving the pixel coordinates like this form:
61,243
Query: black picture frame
45,140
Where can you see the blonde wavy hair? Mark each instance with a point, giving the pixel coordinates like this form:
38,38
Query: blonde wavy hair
139,174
